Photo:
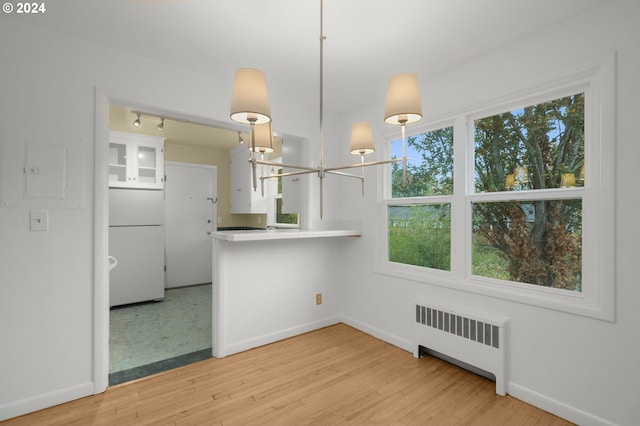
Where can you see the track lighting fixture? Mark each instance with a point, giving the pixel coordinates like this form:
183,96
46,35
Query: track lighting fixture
240,140
160,125
136,122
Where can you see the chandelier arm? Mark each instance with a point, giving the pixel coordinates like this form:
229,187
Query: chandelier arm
371,163
254,173
321,179
404,156
277,175
287,166
335,172
362,173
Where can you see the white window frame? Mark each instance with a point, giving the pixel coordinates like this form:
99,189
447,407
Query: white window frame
597,298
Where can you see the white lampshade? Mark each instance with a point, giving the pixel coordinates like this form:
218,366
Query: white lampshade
403,100
264,138
361,139
250,100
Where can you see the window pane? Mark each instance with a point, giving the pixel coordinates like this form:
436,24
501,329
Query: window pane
430,165
421,235
535,242
537,147
284,218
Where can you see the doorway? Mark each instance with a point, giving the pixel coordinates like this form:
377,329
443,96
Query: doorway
234,136
150,337
102,311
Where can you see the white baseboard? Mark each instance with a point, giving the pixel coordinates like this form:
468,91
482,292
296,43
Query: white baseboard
558,408
400,342
45,400
536,399
265,339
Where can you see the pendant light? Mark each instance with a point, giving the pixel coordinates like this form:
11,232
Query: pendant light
250,105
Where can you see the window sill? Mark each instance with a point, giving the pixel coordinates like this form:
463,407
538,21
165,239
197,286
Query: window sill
574,303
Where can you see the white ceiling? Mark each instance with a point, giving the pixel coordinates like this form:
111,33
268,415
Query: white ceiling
367,40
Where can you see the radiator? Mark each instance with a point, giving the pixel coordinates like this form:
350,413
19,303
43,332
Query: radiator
478,341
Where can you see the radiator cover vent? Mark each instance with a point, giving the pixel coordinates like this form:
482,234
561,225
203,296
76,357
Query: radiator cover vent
460,325
477,340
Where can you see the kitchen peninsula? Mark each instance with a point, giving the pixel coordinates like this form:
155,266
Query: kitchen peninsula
265,284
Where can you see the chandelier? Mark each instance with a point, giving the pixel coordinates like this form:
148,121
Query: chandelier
250,105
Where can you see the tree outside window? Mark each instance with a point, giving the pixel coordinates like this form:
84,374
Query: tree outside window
537,151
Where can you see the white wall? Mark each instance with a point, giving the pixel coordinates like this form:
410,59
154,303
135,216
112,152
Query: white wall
584,369
264,291
47,84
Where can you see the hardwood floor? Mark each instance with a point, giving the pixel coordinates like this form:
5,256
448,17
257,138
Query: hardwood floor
330,376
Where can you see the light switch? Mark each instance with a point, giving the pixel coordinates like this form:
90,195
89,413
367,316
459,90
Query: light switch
39,220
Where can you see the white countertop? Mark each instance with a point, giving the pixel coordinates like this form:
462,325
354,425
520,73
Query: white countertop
282,234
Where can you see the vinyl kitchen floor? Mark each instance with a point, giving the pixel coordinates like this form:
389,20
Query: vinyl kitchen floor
147,338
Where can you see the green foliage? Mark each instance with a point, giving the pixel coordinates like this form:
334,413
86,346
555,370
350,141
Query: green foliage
421,235
488,261
432,174
537,242
546,141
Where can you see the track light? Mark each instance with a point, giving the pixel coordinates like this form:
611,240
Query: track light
160,126
240,140
136,122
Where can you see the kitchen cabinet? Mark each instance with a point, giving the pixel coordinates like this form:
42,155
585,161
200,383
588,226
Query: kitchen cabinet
243,197
135,161
292,185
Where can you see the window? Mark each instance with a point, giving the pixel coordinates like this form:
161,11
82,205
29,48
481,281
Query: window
277,216
419,221
537,149
513,201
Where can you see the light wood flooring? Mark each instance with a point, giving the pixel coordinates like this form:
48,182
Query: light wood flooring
334,375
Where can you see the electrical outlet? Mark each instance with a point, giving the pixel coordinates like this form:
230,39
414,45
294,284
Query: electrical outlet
318,298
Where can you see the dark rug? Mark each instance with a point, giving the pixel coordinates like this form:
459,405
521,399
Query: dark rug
118,377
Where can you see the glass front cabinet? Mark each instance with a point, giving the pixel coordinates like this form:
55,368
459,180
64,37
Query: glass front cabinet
135,161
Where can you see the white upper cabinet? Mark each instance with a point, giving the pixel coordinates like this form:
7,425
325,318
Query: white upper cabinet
291,185
243,197
135,161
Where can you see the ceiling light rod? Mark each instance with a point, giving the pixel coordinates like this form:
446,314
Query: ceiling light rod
250,105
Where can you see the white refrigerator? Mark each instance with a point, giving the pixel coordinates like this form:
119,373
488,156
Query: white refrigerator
136,240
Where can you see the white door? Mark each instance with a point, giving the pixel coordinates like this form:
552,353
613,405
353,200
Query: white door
190,203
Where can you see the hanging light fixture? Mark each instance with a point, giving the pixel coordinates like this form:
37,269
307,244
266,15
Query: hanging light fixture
160,125
136,122
250,105
403,107
361,144
262,144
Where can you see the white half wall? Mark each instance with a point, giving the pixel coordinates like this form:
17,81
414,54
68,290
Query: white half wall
264,291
